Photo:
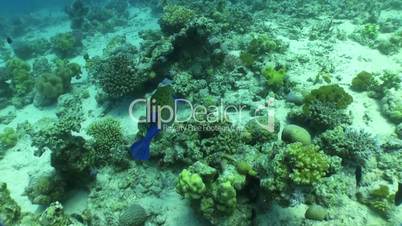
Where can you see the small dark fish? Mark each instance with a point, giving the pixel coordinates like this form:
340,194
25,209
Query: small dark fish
9,40
358,175
398,195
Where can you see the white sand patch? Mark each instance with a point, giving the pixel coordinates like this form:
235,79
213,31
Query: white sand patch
16,167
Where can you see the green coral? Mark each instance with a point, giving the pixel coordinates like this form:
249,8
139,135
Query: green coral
190,185
175,17
328,94
10,212
275,77
308,163
293,165
8,138
65,44
21,80
258,46
225,196
107,136
216,197
366,35
363,81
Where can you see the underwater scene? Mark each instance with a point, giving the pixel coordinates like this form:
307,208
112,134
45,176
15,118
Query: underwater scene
201,113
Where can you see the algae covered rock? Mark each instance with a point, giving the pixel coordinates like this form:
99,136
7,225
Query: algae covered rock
134,215
391,105
8,138
261,129
10,212
54,215
316,212
294,133
45,189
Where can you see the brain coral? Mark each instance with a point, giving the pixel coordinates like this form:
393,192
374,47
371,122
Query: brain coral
134,215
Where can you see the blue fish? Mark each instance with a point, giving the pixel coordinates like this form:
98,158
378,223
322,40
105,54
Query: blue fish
140,149
163,96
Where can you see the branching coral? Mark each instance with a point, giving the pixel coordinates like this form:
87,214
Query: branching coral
175,18
21,80
107,135
275,77
51,133
321,116
349,144
118,76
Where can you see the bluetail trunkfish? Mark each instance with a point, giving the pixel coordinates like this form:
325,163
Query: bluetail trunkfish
162,97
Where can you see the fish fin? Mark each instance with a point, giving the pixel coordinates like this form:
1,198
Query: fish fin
140,149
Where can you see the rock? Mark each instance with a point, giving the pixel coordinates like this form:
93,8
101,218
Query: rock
295,97
134,215
294,133
316,212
